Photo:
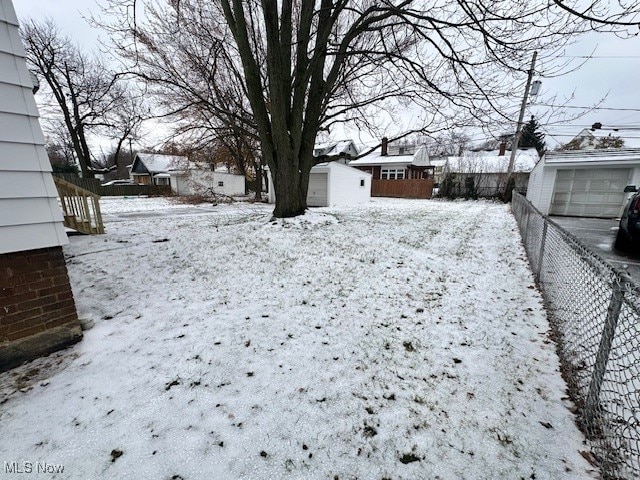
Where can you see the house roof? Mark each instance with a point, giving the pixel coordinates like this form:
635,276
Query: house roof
158,162
588,138
420,159
341,147
326,166
612,155
481,162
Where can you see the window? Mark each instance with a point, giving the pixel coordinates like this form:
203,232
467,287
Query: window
392,174
221,184
362,182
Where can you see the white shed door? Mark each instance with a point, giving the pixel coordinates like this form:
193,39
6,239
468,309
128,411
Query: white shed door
317,193
591,192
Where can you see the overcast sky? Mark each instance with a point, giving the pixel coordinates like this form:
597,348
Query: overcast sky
614,72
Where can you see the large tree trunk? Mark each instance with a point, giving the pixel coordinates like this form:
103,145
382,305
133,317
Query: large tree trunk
291,183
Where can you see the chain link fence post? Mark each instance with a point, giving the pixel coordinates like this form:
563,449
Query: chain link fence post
543,241
613,314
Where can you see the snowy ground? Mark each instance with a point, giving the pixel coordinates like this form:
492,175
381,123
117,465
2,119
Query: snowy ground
398,340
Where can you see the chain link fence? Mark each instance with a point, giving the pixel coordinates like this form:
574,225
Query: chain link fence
594,311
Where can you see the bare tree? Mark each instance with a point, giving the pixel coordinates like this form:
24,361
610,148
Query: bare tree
300,66
82,87
452,143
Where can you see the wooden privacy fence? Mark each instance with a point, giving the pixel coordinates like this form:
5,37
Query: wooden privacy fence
80,207
94,185
408,188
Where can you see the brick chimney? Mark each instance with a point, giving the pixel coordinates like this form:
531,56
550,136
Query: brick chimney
384,146
503,148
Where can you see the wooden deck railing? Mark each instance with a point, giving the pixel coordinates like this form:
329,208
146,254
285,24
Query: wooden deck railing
80,207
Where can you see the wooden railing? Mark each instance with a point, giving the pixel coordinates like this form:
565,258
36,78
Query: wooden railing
80,207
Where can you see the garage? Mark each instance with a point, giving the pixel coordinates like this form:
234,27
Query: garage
317,193
584,183
594,192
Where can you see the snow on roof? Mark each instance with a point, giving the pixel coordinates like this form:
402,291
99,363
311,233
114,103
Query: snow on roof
341,147
326,166
158,162
419,158
595,156
480,162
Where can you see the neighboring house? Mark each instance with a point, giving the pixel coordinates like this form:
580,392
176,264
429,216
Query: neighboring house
154,168
340,152
398,170
596,139
333,184
584,183
438,163
197,179
484,174
37,310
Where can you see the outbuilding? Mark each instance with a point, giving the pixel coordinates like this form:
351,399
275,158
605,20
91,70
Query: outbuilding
332,184
196,179
584,183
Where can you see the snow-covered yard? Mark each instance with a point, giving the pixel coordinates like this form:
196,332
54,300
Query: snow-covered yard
400,340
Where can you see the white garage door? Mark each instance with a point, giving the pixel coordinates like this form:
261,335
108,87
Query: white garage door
593,192
317,193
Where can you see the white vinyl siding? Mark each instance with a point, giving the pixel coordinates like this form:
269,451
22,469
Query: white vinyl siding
590,192
30,216
334,184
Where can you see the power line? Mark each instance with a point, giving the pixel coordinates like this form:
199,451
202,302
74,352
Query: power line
599,56
588,108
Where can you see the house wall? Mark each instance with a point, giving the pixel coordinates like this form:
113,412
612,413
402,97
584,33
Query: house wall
29,212
345,186
205,182
540,188
375,171
37,312
233,184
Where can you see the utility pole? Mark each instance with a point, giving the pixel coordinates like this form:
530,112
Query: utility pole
516,137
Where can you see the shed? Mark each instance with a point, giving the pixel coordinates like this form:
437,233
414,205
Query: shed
38,310
584,183
333,184
197,179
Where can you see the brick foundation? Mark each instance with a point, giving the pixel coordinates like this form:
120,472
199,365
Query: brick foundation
37,311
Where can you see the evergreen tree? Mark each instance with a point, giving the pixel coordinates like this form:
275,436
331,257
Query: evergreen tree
532,137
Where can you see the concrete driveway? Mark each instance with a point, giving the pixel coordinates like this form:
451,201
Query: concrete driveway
599,234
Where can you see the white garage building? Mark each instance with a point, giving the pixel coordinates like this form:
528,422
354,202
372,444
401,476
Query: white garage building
333,184
584,183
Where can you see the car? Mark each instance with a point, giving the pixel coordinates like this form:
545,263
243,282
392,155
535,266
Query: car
118,182
628,237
